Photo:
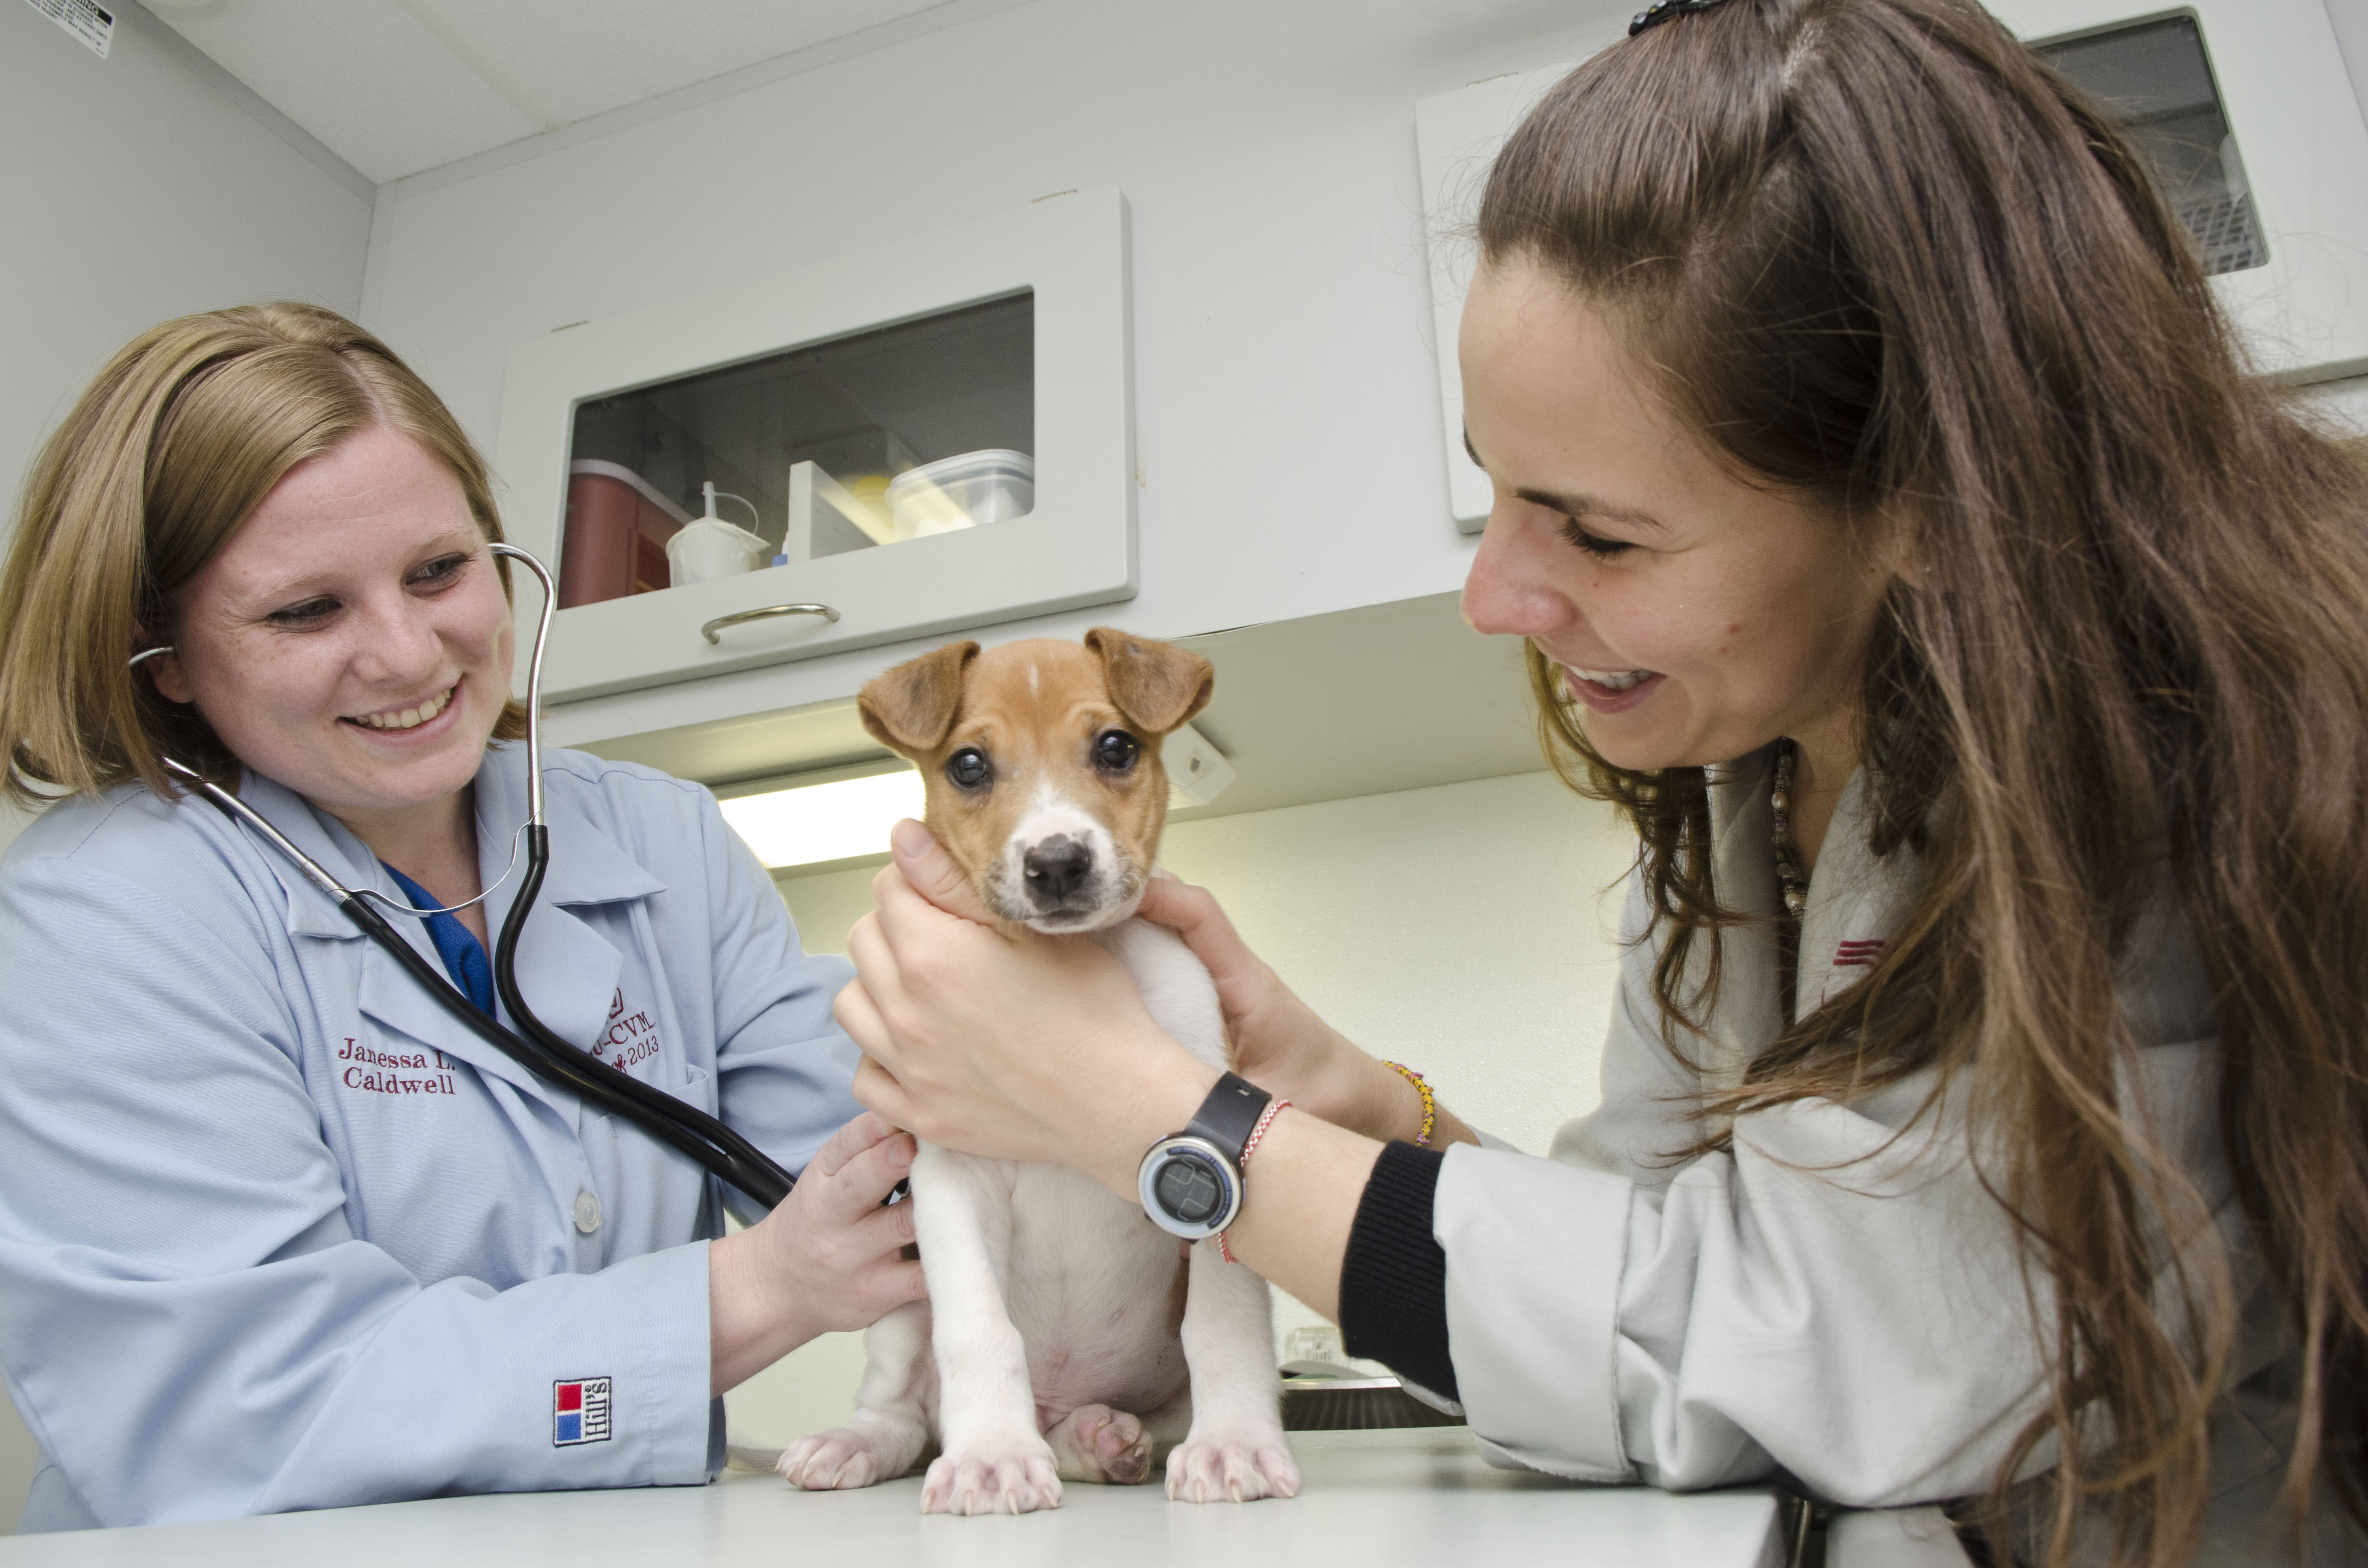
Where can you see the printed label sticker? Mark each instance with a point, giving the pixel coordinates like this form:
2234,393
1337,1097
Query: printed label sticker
92,25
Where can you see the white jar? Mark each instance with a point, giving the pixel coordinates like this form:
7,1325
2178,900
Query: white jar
705,549
967,491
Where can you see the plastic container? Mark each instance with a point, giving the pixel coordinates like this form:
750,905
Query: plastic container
708,548
969,491
615,542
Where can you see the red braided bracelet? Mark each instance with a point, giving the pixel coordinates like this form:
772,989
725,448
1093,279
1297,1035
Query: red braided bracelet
1274,1108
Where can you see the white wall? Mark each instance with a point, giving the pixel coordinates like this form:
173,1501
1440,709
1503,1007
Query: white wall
1461,930
2344,404
1285,391
135,188
2349,19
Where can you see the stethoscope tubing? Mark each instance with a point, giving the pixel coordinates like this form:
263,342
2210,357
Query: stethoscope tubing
702,1137
672,1122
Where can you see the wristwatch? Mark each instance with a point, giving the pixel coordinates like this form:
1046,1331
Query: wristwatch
1191,1181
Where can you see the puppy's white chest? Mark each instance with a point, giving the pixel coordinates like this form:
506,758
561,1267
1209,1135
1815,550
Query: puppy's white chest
1094,1291
1177,990
1092,1286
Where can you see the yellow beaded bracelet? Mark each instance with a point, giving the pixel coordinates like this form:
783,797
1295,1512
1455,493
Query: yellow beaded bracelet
1429,1105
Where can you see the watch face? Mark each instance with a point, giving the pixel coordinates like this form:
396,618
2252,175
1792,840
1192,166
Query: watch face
1188,1188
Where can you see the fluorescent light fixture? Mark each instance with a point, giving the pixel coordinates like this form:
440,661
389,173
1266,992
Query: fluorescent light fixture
835,821
843,818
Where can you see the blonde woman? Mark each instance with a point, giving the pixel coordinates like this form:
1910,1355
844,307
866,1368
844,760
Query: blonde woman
276,1232
1982,657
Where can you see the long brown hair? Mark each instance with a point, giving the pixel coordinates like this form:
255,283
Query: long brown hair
166,452
1883,256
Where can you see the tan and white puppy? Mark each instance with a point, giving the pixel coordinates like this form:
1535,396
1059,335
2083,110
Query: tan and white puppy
1064,1336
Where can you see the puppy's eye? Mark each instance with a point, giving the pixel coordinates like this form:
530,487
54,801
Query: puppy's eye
968,768
1115,751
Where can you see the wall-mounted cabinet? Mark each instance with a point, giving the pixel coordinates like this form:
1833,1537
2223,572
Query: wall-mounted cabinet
893,444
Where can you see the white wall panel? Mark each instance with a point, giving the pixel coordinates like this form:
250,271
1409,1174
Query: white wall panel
134,191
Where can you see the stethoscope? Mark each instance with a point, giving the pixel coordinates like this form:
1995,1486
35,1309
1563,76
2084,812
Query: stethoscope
538,1050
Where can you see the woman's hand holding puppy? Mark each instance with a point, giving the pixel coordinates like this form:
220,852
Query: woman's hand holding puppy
966,1044
1280,1043
1015,1051
1043,1050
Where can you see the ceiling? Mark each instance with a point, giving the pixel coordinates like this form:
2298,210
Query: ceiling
397,86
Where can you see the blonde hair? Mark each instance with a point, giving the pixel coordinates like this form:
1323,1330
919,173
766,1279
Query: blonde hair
166,454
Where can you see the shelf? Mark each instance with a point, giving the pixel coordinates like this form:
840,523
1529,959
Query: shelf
1365,701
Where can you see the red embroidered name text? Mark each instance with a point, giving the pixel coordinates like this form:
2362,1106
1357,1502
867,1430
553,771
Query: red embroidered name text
395,1072
629,1039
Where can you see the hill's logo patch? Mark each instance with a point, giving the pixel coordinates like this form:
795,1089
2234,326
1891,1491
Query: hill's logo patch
579,1412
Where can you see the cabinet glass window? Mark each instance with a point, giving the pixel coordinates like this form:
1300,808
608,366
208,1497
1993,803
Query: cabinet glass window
888,437
2156,81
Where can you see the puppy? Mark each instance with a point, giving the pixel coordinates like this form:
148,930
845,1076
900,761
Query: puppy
1065,1337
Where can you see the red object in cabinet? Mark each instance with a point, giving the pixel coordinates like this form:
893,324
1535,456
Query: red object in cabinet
614,539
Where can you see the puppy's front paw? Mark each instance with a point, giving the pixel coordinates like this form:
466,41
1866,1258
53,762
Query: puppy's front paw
1239,1470
1094,1442
831,1461
1004,1476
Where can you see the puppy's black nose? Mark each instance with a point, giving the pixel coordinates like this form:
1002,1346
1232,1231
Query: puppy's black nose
1056,868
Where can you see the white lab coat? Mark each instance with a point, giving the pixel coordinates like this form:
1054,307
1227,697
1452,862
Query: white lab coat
1833,1297
276,1232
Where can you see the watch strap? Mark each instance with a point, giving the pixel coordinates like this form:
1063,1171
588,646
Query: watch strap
1230,1115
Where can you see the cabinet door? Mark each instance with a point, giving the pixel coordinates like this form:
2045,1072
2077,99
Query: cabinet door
975,355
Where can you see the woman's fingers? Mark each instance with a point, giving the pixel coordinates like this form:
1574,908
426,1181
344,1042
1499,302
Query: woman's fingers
864,1181
906,919
858,1135
1193,914
877,1087
853,1192
1187,910
868,947
858,1015
899,1280
885,1230
931,872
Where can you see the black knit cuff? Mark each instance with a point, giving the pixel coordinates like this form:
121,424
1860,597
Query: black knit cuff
1393,1277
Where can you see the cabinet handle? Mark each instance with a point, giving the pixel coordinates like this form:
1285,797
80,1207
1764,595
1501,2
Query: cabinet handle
767,613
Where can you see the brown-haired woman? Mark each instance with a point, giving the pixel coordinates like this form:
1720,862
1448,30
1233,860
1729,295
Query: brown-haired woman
275,1230
1982,656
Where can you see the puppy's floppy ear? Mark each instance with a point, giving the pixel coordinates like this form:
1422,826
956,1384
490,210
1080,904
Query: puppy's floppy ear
1156,685
910,707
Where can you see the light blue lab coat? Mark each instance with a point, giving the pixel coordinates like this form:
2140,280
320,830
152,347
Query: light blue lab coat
276,1232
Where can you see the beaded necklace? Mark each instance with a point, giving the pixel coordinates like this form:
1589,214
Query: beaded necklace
1791,882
